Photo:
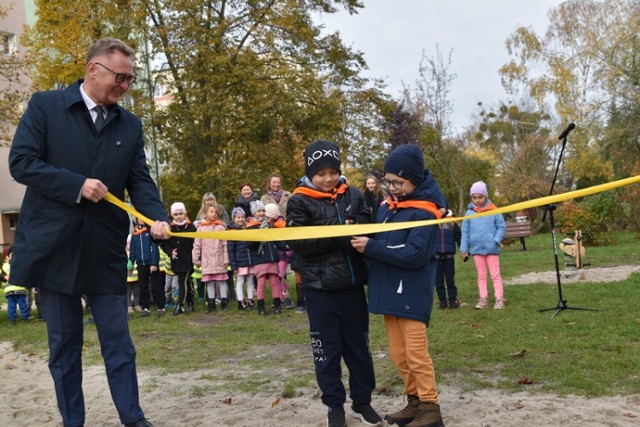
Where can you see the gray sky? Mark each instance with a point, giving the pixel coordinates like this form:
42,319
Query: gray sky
393,33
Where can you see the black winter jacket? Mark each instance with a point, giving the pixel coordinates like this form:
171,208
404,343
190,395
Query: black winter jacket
328,263
183,263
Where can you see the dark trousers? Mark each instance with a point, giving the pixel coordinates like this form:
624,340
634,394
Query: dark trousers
446,271
65,331
339,329
185,287
151,285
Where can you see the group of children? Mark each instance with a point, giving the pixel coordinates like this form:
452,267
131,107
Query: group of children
189,264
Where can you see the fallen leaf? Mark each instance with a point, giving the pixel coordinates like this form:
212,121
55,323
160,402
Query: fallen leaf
526,381
520,353
227,401
275,403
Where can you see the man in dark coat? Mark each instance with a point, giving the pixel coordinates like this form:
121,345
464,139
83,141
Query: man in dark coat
69,241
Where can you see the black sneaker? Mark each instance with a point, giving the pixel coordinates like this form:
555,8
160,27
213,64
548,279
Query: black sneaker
366,414
335,417
443,305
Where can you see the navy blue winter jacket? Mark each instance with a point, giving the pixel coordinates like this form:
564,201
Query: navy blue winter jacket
239,252
402,269
447,237
143,250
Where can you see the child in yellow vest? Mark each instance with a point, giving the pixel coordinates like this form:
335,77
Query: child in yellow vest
16,295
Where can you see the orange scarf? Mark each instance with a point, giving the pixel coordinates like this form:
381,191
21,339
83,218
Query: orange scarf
139,231
418,204
333,195
489,207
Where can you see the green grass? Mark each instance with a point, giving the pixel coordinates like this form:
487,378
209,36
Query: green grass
589,353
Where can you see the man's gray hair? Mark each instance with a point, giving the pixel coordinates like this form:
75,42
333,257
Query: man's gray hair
107,46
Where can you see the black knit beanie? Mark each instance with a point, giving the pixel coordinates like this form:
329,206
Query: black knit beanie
319,155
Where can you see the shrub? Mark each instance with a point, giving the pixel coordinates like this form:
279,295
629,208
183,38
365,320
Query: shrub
573,216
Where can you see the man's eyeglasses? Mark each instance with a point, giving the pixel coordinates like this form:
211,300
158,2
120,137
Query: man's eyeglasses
120,77
393,184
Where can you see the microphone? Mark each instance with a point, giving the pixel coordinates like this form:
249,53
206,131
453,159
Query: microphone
569,128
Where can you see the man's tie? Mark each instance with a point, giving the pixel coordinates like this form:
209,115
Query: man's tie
99,118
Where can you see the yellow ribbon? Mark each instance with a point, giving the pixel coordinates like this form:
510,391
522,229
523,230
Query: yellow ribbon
299,233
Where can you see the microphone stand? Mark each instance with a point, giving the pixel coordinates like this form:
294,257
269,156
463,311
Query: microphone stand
550,208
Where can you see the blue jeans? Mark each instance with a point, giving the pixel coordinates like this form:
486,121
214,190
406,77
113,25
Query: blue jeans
20,301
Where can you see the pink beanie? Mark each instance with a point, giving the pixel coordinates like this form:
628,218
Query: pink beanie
479,188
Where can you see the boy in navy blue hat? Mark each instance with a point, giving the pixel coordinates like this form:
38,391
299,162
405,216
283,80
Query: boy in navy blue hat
402,280
333,275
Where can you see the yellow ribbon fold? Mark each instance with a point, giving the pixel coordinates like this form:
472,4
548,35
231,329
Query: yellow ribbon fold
299,233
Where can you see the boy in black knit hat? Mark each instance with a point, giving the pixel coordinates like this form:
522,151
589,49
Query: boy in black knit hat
333,275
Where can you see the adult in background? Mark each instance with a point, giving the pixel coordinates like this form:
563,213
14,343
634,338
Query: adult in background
207,199
275,194
71,147
247,195
372,194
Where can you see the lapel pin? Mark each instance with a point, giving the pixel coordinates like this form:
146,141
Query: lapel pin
118,143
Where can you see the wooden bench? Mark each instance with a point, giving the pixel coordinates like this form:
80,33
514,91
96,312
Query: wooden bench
518,230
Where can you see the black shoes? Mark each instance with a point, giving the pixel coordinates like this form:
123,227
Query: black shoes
140,423
366,414
336,418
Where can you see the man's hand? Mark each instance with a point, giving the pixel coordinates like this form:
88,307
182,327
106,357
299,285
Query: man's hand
94,190
160,230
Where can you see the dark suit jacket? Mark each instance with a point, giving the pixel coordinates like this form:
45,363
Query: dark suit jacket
61,245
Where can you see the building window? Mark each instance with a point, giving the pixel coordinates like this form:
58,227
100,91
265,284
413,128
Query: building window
7,43
12,223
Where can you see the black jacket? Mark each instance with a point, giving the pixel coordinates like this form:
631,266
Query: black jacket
328,263
183,263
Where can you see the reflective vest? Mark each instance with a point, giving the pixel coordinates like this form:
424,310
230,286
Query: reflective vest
132,275
197,273
165,263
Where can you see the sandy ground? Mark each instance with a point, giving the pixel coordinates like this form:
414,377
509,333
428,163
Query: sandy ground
26,390
600,274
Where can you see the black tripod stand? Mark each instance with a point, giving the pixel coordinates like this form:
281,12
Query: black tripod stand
562,303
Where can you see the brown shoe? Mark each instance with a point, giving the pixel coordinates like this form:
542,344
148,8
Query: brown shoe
428,416
406,414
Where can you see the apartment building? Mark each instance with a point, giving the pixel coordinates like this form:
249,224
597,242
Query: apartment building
11,27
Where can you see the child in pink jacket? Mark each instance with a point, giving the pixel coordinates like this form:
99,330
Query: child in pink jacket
211,256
